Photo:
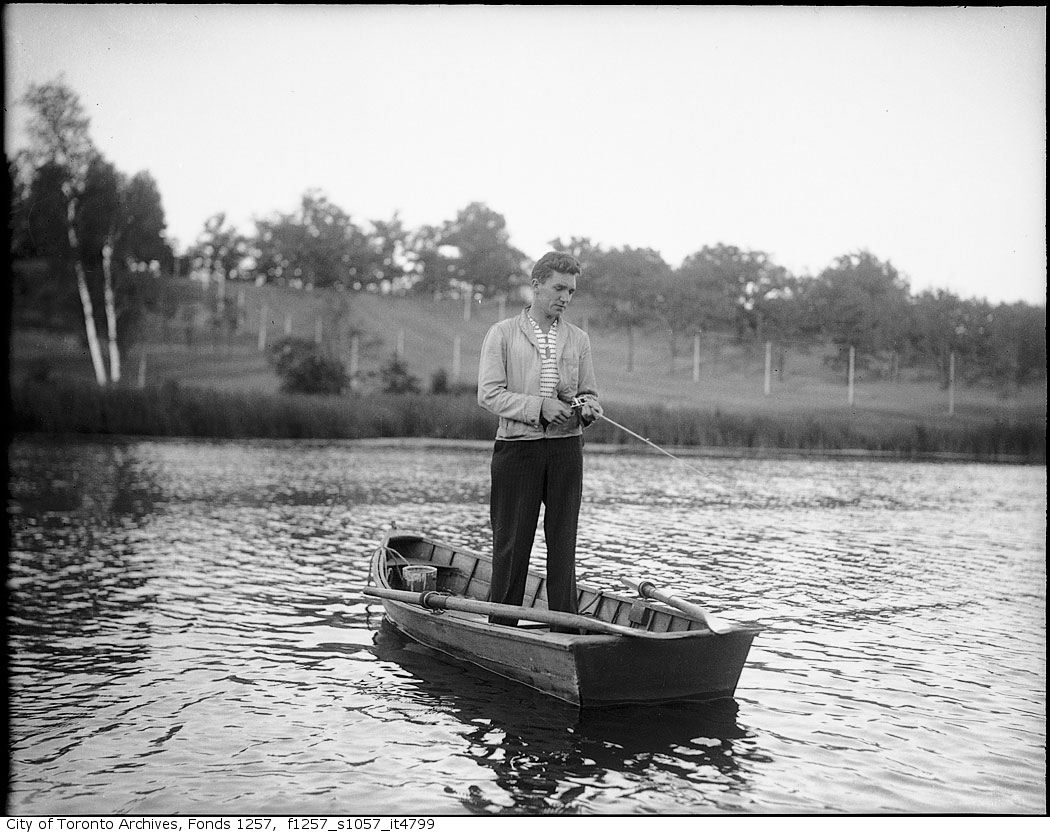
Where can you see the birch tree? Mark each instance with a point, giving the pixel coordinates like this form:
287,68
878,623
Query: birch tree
100,225
58,135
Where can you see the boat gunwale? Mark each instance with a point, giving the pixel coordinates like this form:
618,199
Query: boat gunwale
481,625
540,636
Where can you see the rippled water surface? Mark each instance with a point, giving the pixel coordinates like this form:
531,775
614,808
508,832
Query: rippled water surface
187,635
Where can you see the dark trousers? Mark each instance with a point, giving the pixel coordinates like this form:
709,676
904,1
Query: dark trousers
526,473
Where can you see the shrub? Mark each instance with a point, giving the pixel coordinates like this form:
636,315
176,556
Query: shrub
440,385
303,369
439,382
395,378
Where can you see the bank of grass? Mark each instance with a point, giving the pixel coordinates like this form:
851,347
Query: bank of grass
173,411
988,439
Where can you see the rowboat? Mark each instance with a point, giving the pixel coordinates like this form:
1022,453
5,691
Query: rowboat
646,648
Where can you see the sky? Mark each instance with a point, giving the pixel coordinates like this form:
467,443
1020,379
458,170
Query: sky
917,134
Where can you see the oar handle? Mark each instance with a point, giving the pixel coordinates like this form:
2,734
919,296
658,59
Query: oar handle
648,590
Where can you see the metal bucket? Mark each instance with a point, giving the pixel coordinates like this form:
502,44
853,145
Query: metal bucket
420,579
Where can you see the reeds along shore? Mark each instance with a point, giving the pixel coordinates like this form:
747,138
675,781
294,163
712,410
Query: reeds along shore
173,411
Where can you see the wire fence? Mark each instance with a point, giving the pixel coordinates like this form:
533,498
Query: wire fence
443,338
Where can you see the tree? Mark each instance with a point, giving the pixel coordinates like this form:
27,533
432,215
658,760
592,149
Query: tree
1017,343
320,245
136,250
628,283
390,259
99,223
1005,344
58,136
43,283
699,295
114,215
580,248
431,268
862,302
688,303
19,213
220,250
142,238
781,307
45,217
733,287
220,253
939,325
470,254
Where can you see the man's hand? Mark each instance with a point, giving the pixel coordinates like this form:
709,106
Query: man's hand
555,411
590,411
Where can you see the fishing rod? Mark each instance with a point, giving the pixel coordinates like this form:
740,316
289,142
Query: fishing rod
577,403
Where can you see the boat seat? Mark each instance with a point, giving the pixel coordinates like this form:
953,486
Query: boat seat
441,568
445,573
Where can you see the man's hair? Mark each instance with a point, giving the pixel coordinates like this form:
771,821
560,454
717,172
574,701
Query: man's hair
551,262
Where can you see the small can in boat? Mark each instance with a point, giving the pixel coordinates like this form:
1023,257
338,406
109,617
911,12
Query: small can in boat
420,579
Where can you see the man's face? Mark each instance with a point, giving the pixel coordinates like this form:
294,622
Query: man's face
551,297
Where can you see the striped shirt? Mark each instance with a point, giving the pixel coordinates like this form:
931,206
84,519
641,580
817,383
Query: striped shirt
549,368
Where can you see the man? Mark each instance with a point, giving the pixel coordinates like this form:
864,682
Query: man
532,366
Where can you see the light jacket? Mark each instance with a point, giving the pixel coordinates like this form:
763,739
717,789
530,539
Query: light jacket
509,377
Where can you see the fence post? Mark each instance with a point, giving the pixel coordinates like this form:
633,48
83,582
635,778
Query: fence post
399,350
467,298
769,366
852,365
696,358
220,295
240,311
456,359
354,354
951,384
288,324
264,313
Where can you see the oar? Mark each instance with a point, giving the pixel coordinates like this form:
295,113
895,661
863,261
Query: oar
647,590
442,601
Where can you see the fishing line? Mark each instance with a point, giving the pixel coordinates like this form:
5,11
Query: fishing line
649,442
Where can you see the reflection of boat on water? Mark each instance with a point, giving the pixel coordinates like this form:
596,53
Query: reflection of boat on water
544,752
625,650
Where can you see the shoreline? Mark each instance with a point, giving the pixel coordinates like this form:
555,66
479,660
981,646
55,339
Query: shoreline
416,421
626,449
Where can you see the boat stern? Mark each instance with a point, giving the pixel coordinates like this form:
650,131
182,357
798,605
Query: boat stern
687,667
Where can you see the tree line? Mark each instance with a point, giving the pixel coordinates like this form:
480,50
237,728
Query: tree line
103,232
90,223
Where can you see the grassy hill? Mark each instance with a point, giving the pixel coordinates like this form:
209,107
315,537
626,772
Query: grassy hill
187,349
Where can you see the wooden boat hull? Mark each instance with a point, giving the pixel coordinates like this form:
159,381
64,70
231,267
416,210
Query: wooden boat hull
687,662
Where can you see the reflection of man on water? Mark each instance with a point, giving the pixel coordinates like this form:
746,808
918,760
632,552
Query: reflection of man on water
532,367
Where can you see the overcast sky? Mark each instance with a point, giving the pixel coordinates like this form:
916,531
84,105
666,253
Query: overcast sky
807,133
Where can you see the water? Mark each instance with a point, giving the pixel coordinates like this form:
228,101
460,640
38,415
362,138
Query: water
187,635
